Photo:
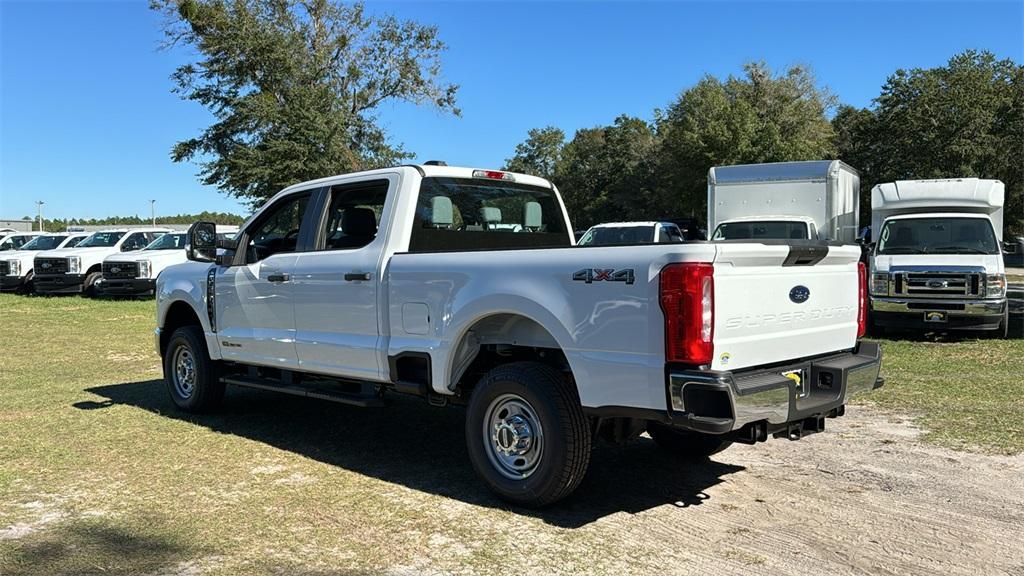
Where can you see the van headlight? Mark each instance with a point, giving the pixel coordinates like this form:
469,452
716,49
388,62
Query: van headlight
74,264
14,267
995,285
144,268
880,284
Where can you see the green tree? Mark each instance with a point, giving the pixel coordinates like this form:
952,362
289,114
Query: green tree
760,117
539,154
963,119
294,86
605,172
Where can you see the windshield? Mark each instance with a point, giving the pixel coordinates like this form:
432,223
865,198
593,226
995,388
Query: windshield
483,214
101,240
168,242
13,243
767,230
606,235
44,243
939,235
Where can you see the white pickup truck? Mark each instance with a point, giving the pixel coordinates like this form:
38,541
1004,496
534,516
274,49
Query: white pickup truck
16,267
135,273
463,287
78,269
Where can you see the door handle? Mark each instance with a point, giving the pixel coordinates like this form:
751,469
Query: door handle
277,278
354,276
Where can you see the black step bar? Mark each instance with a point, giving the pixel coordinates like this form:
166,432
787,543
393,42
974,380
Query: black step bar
367,398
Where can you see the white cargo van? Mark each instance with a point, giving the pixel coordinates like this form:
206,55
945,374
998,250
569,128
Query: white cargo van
936,263
784,201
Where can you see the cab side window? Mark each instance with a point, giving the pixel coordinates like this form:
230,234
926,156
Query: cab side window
135,241
278,231
354,215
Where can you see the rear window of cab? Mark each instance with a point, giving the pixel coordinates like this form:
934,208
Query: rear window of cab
483,214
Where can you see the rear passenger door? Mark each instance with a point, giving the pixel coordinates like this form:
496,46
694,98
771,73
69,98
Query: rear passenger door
336,283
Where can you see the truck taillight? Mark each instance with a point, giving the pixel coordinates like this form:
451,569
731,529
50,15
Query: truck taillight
862,300
687,293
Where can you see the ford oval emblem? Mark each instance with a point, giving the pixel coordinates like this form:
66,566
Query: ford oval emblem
799,294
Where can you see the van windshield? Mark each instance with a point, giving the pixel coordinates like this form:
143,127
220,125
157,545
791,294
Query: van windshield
767,230
938,235
482,214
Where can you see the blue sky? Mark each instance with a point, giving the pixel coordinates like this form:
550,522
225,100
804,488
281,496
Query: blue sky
87,118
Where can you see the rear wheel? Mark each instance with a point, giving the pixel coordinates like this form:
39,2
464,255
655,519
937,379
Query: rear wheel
689,445
527,436
191,377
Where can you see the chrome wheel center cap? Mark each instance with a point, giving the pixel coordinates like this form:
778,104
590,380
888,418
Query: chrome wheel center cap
513,436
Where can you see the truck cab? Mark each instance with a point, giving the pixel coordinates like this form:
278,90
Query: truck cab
15,240
936,263
77,270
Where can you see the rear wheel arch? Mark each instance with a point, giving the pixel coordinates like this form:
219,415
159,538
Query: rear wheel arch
512,335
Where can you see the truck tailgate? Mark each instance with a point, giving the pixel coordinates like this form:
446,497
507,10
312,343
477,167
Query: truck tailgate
772,305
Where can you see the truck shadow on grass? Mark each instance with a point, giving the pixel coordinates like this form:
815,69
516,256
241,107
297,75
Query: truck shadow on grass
423,448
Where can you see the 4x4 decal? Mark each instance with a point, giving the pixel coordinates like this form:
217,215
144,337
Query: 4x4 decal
591,275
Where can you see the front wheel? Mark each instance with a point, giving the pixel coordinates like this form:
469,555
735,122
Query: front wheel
190,375
689,445
527,436
89,287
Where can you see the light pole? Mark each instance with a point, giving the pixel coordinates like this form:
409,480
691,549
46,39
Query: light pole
152,212
39,210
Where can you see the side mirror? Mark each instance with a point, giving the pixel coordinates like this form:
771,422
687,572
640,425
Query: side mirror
202,242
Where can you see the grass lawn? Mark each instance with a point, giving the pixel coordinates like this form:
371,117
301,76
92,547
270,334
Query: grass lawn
100,474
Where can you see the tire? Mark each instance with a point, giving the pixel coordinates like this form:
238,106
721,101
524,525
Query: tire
89,285
687,445
1003,331
28,286
527,436
191,377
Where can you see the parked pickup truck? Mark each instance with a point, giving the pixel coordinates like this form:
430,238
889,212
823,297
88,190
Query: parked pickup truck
134,273
16,270
463,287
74,270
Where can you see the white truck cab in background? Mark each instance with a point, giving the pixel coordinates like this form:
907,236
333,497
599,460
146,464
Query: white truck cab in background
15,240
817,200
936,262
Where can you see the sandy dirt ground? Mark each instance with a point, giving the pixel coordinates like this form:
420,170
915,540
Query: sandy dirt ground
865,497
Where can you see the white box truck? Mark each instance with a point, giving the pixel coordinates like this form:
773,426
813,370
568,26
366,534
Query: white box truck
816,200
936,263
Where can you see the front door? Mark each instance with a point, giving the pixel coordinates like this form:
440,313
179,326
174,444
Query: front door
336,283
255,312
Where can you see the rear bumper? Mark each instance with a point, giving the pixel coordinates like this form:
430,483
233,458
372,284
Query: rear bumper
127,287
945,314
757,403
58,283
